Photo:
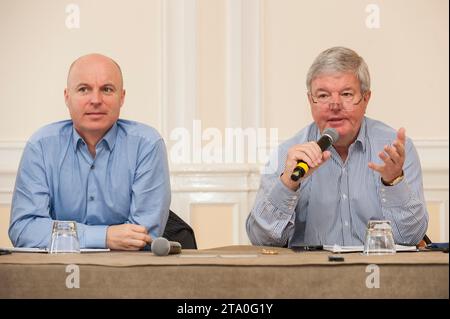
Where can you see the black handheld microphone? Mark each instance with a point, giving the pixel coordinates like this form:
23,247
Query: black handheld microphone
329,137
163,247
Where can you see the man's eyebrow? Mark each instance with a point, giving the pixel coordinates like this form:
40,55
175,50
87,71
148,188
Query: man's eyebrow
82,84
88,85
109,84
348,88
321,89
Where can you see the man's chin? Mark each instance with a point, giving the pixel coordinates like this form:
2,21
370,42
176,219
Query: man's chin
337,124
96,128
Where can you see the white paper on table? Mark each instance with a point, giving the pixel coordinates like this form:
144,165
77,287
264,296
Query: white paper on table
354,249
45,250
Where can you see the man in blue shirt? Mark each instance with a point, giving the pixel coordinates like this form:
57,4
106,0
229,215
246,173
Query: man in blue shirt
371,172
109,175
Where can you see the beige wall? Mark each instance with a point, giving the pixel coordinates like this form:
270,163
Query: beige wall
211,63
37,49
4,223
407,58
212,225
243,52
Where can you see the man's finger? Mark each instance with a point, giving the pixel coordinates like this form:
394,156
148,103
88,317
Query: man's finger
400,148
376,167
392,152
138,228
303,156
135,243
386,159
401,135
326,155
311,153
140,236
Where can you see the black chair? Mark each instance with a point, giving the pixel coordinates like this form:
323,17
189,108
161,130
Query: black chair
178,230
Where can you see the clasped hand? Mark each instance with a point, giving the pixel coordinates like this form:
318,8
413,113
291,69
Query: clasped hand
127,237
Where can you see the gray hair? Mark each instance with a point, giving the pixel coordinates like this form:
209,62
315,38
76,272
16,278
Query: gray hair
340,59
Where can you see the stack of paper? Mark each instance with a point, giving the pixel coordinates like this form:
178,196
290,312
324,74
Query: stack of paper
353,249
45,250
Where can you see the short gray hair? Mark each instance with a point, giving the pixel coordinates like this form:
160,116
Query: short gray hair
340,59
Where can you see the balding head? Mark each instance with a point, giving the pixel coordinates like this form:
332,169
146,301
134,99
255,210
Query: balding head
94,96
90,61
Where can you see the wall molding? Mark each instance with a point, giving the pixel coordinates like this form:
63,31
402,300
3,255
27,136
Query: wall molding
243,63
179,65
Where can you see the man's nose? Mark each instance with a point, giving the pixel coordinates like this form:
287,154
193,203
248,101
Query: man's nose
96,97
336,102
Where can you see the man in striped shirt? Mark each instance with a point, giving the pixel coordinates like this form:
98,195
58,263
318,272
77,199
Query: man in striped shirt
371,172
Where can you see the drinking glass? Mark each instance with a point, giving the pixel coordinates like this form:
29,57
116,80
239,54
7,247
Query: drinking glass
379,239
64,237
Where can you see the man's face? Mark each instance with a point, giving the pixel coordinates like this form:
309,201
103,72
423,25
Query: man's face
339,112
94,95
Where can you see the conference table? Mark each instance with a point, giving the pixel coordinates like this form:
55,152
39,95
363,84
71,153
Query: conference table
249,272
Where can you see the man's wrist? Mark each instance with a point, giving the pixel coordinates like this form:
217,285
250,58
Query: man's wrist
289,183
393,182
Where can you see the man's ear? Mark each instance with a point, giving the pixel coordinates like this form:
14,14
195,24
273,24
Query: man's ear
309,97
66,96
122,98
310,100
366,99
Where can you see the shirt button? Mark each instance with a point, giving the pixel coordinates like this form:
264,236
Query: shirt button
92,166
383,200
344,196
346,223
91,198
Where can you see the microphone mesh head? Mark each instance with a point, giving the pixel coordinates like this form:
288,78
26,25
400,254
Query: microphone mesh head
160,246
332,133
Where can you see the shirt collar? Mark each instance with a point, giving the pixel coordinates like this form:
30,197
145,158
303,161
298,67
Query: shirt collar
77,139
109,138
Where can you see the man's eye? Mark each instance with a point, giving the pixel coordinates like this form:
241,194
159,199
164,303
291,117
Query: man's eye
108,90
322,96
347,94
82,89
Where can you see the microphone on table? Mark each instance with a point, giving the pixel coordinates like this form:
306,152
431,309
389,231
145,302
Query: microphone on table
329,137
162,247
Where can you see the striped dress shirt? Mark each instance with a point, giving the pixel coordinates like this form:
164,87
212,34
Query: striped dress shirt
335,203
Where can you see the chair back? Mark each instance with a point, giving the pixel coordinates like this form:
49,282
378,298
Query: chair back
178,230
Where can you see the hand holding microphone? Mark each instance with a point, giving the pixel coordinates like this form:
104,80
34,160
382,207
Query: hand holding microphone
303,159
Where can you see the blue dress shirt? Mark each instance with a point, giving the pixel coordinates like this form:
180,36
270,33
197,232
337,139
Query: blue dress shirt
334,204
58,179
